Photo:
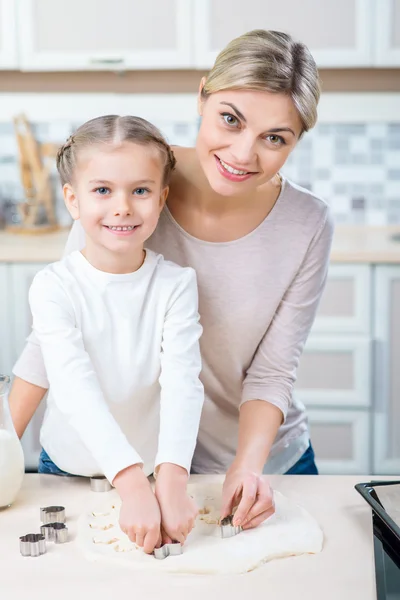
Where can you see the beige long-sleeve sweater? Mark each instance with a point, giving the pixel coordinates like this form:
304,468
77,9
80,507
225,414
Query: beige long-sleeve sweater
258,299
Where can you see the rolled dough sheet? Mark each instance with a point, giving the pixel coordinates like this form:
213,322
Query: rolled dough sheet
291,531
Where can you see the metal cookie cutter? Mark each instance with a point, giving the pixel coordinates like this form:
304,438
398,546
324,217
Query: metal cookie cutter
174,549
52,514
100,484
32,544
55,532
228,529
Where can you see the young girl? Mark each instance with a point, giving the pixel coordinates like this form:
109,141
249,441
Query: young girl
260,246
118,328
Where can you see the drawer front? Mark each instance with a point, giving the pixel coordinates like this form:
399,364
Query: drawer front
335,371
345,303
341,441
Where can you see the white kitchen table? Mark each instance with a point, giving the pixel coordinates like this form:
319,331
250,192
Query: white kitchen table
344,569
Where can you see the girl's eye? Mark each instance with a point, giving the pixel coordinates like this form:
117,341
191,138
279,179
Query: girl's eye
230,119
141,191
276,140
103,191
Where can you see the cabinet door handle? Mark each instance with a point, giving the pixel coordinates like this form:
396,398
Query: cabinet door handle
106,61
381,383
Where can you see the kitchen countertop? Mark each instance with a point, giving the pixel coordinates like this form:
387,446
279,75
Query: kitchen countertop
344,569
351,244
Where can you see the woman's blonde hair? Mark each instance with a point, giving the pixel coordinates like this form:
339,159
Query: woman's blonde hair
268,61
113,129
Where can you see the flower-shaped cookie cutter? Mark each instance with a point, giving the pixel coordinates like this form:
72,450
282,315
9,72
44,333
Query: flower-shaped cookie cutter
227,528
174,549
32,544
52,514
55,532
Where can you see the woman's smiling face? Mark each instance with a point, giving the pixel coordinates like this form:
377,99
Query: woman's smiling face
245,138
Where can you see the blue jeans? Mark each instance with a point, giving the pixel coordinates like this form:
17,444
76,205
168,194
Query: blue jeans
304,466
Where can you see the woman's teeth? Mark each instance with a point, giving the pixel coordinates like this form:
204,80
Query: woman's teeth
128,228
231,169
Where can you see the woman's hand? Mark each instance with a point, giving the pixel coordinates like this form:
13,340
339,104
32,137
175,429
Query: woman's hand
250,493
178,509
140,516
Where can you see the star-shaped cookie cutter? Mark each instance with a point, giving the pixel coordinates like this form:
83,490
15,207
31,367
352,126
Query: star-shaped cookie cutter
32,544
174,549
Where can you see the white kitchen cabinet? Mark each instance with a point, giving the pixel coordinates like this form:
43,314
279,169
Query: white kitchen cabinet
386,415
5,317
339,33
341,440
387,33
8,39
99,34
335,371
345,305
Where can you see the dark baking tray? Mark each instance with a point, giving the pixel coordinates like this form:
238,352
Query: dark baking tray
384,527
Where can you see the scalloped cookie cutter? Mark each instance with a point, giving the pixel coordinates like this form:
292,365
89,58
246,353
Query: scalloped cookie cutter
52,514
55,532
32,544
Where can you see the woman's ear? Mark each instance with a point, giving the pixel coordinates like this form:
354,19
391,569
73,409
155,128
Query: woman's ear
200,99
71,201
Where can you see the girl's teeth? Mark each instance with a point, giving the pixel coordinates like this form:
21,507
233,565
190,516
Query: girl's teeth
129,228
231,169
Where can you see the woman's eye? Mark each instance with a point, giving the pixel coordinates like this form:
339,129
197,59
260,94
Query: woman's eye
229,119
276,140
141,191
102,191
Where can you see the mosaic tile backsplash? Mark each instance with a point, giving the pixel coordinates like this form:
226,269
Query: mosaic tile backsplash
354,167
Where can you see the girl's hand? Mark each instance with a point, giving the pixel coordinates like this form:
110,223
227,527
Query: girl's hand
178,509
140,516
250,493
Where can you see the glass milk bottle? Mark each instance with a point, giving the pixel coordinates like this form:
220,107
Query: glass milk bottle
11,454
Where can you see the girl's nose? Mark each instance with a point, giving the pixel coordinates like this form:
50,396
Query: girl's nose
122,206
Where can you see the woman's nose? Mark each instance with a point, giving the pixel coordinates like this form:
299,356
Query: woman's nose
243,152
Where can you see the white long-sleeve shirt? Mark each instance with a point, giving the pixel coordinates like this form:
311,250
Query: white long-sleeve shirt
122,358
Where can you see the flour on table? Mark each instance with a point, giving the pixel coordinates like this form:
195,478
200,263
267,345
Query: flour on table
291,531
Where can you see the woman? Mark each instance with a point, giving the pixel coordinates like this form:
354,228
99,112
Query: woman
260,246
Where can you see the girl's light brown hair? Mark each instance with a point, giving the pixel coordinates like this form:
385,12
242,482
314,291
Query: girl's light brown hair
112,129
268,61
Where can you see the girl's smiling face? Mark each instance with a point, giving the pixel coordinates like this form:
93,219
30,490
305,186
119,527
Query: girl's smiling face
117,193
245,138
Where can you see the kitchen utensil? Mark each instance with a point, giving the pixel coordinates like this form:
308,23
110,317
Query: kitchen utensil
52,514
32,544
55,532
100,484
174,549
35,177
227,528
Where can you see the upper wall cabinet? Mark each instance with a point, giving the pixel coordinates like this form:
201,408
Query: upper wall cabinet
388,33
104,34
338,32
8,38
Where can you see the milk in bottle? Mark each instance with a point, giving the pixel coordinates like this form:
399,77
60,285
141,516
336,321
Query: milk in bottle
11,454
